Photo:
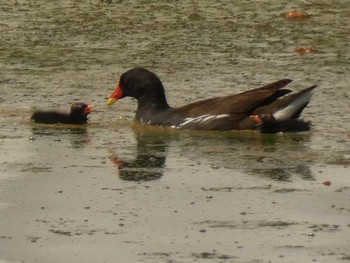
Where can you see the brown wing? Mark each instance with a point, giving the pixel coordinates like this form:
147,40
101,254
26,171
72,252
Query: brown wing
241,104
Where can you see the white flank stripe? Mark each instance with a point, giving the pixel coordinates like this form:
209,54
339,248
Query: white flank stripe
208,118
202,119
222,116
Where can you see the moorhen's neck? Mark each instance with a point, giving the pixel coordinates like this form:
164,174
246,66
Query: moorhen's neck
154,104
151,106
153,100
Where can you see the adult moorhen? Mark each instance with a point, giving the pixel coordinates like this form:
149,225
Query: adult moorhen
77,115
234,112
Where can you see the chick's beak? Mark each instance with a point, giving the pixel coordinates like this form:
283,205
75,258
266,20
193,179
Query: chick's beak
90,108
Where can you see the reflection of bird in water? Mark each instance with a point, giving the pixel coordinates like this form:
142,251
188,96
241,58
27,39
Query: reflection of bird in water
284,174
77,115
262,155
114,158
224,113
148,163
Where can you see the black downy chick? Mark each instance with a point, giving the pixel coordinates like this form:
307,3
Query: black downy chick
268,124
77,115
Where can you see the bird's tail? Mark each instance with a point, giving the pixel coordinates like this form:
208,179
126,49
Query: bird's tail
294,104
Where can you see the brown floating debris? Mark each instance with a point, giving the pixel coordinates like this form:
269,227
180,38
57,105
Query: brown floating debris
327,183
297,14
305,50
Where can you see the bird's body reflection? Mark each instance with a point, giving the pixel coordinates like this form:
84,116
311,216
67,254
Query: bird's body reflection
269,156
150,158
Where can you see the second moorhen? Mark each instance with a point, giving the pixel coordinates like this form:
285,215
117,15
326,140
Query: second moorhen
266,123
233,112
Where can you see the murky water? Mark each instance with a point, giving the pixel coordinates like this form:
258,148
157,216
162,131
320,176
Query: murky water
112,189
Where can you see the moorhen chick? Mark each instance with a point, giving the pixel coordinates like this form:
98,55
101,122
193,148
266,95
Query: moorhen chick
77,115
266,123
233,112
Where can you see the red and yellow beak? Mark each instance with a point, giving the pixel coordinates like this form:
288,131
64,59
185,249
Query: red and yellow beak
89,108
117,94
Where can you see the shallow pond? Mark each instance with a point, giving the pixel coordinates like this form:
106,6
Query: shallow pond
114,191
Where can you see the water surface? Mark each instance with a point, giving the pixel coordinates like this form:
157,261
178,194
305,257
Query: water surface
115,191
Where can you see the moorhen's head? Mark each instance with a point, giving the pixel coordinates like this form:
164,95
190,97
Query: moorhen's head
140,84
80,110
